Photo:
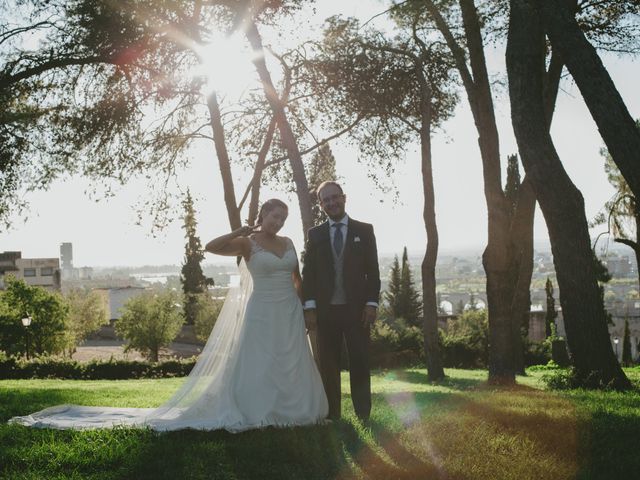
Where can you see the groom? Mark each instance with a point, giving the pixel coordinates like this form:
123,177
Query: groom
341,287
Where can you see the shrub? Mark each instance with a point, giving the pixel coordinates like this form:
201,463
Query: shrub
51,367
206,311
87,312
150,321
48,311
465,343
537,353
395,344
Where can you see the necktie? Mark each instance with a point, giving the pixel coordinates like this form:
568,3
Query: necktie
338,240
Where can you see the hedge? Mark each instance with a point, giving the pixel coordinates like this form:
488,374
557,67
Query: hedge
51,367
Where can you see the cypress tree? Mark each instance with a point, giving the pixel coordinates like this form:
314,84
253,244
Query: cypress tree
192,278
393,293
411,305
550,317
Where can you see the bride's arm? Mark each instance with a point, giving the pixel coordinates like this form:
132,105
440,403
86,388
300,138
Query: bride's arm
232,244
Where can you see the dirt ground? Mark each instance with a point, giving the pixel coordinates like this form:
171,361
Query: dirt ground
106,349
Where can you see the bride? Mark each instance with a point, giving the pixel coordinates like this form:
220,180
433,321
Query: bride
256,369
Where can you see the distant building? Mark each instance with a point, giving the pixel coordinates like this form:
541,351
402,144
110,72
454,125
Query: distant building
66,260
42,272
117,297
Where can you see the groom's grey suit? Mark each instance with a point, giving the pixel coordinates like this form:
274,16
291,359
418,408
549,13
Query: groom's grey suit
341,284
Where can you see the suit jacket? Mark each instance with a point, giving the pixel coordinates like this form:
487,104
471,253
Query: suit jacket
361,272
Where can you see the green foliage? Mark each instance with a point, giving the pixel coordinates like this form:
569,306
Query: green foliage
207,311
51,367
322,168
410,298
395,343
367,83
465,342
513,182
87,313
393,294
537,353
403,297
150,321
194,282
48,311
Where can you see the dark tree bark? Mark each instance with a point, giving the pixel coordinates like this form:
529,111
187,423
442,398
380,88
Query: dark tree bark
522,237
224,162
617,127
433,355
257,174
561,203
498,258
286,134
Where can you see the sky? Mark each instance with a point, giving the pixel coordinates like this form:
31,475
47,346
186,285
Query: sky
105,233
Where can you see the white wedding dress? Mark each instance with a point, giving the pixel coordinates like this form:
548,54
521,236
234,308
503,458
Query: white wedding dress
256,369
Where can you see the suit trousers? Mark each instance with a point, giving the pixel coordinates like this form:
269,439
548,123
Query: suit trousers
337,323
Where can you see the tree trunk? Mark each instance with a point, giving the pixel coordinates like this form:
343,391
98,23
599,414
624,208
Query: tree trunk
429,300
607,108
522,239
223,160
498,258
561,203
286,134
522,229
257,174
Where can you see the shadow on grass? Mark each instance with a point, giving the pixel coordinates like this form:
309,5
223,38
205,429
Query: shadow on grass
421,378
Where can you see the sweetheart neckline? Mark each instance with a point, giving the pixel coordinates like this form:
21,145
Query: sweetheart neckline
288,247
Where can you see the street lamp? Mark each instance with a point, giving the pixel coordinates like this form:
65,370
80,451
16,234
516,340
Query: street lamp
26,321
616,340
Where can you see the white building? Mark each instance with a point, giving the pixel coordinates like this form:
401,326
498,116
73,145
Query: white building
41,272
117,297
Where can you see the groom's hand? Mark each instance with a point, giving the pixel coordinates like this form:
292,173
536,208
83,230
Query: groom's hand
310,319
368,316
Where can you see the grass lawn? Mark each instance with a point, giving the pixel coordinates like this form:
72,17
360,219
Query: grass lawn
460,429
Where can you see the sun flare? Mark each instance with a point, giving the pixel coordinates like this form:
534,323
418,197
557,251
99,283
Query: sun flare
225,61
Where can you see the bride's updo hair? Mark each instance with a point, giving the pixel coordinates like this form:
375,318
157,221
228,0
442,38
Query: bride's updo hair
268,206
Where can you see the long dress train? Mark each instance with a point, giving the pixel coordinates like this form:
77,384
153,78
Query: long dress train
256,369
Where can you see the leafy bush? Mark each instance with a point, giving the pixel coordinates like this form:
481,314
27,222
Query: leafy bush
549,366
568,379
87,312
395,344
51,367
150,321
465,343
206,311
48,311
537,353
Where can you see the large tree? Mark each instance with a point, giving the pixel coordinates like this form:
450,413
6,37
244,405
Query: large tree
501,256
609,111
561,203
115,92
392,91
